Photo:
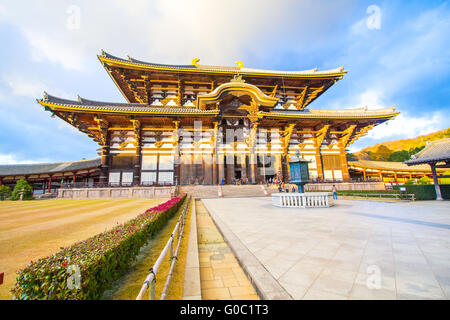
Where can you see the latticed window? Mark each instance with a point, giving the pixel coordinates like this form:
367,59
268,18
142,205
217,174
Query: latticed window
331,162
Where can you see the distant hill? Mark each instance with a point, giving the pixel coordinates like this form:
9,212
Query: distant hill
398,150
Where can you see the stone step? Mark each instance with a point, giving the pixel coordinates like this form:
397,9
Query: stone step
201,191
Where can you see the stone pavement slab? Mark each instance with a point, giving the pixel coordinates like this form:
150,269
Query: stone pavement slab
221,277
357,249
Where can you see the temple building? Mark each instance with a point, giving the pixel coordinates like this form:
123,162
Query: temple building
202,124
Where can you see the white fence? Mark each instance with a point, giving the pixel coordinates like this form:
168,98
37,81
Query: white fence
303,200
150,281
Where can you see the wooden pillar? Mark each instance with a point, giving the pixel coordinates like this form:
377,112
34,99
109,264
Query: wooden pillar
364,174
177,157
284,168
105,158
344,165
381,176
221,168
214,169
215,178
253,167
395,177
242,158
230,168
49,184
138,155
319,163
278,166
437,187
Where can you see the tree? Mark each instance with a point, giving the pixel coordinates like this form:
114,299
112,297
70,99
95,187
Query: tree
409,182
382,153
22,184
399,156
416,149
424,180
5,192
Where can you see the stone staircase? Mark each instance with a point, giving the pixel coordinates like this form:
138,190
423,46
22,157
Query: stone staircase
201,191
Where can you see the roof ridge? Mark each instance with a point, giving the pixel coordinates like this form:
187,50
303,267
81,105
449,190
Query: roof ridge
312,71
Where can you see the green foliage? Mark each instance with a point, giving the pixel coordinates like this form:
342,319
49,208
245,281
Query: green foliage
424,180
404,155
351,157
101,259
399,156
5,192
22,184
416,149
445,180
382,153
409,182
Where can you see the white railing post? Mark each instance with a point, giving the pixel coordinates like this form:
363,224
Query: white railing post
150,281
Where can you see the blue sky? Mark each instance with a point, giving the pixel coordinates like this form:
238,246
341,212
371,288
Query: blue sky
401,59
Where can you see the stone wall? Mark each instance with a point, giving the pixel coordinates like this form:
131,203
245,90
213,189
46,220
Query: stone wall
345,186
114,193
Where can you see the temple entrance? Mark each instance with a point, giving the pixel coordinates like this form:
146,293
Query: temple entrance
237,173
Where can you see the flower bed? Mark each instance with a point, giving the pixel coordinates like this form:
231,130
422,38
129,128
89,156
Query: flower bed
101,259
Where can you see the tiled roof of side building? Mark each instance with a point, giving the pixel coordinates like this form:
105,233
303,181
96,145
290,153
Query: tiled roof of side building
87,105
86,102
311,72
435,151
41,168
387,166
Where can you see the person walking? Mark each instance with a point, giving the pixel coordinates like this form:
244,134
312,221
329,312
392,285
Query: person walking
334,190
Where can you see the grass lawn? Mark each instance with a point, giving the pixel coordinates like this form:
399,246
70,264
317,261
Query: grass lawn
30,230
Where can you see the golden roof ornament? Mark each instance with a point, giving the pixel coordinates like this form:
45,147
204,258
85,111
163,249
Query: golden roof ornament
237,78
240,64
195,62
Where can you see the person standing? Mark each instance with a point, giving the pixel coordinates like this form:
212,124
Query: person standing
334,190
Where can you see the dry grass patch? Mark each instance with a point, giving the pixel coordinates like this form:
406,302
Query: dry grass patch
43,226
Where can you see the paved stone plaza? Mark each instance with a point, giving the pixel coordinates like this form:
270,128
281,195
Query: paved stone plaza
338,252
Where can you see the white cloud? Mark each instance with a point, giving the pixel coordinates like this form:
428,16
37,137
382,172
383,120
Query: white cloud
371,98
46,47
28,86
22,86
11,158
218,32
406,126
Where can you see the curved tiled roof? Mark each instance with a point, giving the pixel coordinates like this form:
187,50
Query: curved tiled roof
345,113
142,108
435,151
91,105
41,168
387,165
222,69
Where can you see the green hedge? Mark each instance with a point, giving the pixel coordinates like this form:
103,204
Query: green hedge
357,192
427,191
101,259
445,191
